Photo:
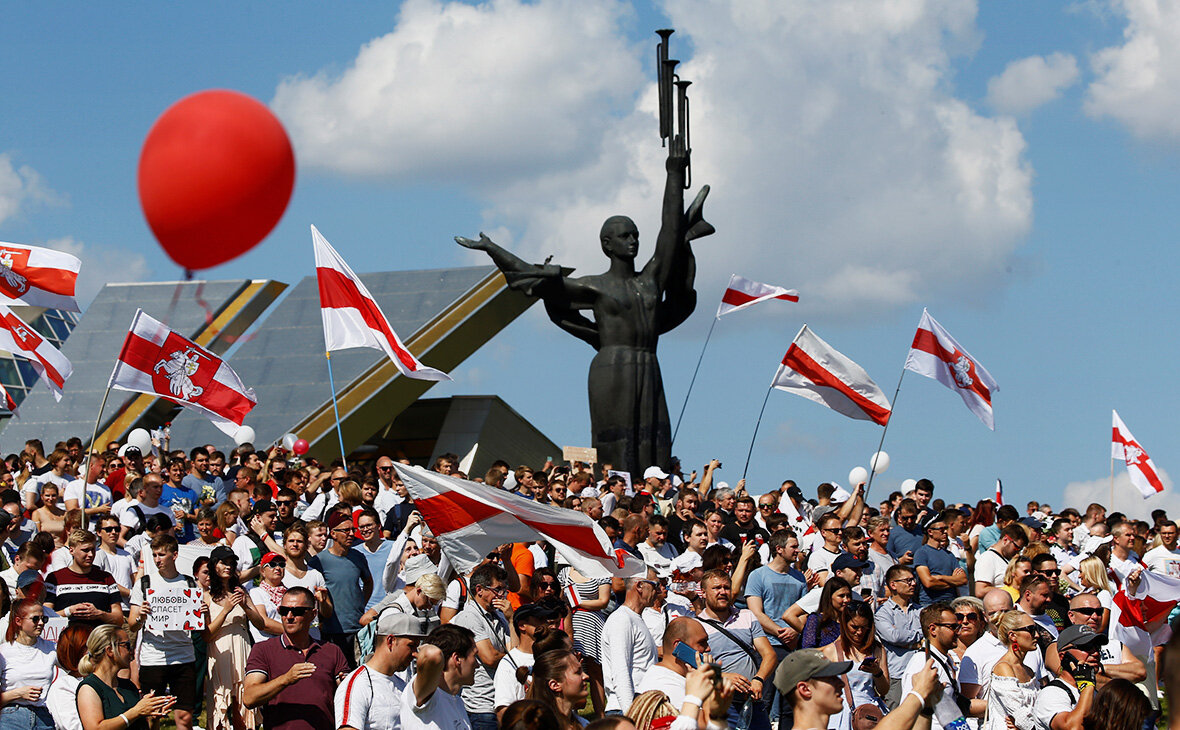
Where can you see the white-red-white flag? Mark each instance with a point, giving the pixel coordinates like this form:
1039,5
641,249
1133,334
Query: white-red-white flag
1140,468
815,370
742,293
352,317
38,277
157,361
999,493
471,520
9,403
935,354
21,340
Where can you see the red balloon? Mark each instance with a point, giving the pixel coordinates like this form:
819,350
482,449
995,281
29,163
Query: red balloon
215,176
300,447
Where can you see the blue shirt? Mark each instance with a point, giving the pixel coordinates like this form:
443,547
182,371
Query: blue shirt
376,562
344,577
940,562
900,632
988,536
185,499
778,591
902,540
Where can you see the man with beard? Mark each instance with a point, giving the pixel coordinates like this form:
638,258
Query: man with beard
745,524
686,508
740,646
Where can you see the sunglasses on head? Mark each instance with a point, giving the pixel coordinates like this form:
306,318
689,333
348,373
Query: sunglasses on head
293,610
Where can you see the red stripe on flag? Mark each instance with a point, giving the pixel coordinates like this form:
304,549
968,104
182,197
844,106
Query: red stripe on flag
139,353
454,511
737,297
1141,465
801,362
927,341
223,400
1141,612
337,291
58,281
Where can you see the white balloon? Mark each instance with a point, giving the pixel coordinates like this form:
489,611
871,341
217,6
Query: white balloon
244,435
289,440
859,475
140,439
908,485
879,462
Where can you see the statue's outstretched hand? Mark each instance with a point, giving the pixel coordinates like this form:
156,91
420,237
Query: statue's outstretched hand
677,154
481,245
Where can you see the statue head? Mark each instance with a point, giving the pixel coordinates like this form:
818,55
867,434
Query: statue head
619,237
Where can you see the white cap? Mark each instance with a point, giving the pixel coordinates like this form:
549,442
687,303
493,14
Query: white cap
654,471
418,566
687,561
840,495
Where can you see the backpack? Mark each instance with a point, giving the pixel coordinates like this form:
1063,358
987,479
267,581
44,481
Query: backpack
142,522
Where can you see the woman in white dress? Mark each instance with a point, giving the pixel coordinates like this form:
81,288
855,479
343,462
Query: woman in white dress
1012,693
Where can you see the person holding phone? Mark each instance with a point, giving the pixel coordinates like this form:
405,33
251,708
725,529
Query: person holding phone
867,682
685,646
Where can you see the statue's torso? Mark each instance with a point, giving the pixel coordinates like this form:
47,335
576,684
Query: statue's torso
625,310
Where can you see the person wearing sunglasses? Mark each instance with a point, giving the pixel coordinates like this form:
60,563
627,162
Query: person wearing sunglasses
1118,661
484,615
975,668
938,570
349,581
938,628
821,559
972,623
29,664
103,695
1013,689
293,677
1057,606
1066,700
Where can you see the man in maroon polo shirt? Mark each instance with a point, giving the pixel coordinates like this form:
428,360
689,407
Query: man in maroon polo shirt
293,677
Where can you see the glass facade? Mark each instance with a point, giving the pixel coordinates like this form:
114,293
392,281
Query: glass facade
16,374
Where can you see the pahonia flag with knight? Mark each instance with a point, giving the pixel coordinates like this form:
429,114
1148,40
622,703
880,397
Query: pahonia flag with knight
38,277
17,337
1140,468
935,354
157,361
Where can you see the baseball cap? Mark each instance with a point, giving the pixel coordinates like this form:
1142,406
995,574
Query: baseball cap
654,472
840,496
27,578
1079,636
272,558
5,519
221,552
804,664
418,566
687,561
846,560
337,519
795,493
532,611
261,507
1032,522
396,623
127,450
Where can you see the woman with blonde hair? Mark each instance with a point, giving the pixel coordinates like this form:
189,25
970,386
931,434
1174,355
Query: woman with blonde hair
1018,567
1092,575
226,518
1012,692
652,708
105,701
648,707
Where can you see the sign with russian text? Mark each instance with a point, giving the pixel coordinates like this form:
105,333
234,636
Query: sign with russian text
175,607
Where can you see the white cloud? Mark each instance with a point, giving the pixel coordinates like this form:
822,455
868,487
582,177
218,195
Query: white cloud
1138,82
101,265
1031,82
1128,499
840,160
501,89
20,186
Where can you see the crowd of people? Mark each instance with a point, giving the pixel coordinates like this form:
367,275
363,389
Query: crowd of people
320,599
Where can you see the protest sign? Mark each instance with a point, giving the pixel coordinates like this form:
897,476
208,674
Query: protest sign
579,453
175,607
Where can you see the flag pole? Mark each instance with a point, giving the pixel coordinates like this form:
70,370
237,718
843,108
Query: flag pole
336,408
694,380
893,406
90,452
1112,482
756,425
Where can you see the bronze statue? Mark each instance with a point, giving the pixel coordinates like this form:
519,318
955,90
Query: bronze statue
628,414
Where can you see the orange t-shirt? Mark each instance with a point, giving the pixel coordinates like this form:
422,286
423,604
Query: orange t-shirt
522,560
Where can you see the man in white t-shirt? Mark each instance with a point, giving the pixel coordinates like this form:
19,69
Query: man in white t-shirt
1165,559
167,662
656,551
446,664
668,676
992,564
135,516
1063,703
370,698
93,495
506,686
821,558
628,650
112,558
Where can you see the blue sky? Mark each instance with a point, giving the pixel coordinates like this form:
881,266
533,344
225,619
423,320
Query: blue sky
1011,166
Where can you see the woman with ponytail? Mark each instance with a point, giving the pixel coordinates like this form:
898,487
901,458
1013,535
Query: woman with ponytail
28,663
1012,693
559,682
106,702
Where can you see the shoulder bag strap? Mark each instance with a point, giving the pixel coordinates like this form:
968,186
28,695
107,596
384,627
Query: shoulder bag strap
745,647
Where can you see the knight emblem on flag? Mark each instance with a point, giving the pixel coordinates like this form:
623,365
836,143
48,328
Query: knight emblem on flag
962,369
16,281
179,368
1132,454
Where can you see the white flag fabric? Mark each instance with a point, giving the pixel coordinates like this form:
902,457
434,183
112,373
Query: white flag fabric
471,520
742,293
157,361
999,493
38,277
352,317
9,403
935,354
17,337
815,370
1140,467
